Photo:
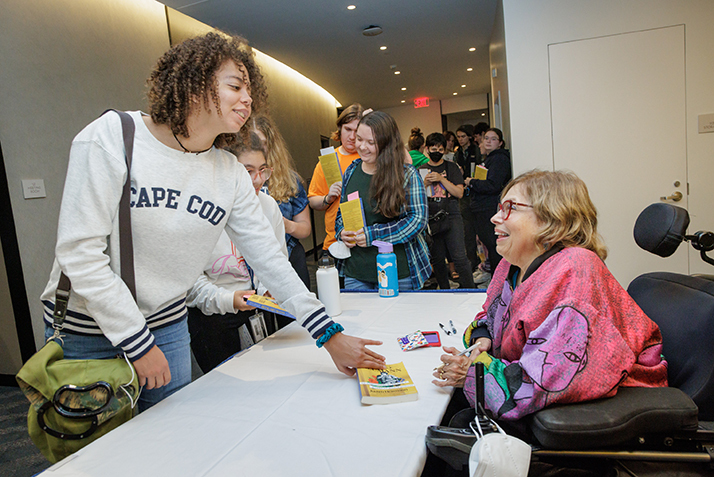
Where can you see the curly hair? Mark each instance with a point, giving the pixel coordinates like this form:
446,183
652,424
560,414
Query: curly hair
561,202
187,72
387,187
283,182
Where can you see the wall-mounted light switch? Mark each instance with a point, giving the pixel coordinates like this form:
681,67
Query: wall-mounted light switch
706,123
33,188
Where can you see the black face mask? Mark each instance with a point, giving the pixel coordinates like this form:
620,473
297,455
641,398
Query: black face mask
436,156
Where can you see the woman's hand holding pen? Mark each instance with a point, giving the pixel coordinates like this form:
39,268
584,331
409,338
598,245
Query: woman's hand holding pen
453,371
456,364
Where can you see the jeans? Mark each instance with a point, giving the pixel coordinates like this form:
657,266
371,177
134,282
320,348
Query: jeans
173,340
451,241
354,284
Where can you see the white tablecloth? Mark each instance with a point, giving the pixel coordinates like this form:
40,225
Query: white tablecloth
281,408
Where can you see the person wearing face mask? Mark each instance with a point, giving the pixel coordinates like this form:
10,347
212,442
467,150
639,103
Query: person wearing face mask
446,185
216,305
485,193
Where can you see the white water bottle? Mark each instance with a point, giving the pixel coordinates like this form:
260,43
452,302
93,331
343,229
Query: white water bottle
328,285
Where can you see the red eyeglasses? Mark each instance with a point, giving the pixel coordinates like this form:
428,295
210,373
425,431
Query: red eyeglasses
507,206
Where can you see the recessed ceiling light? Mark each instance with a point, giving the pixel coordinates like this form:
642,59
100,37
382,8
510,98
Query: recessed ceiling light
404,101
397,72
463,85
469,69
351,7
472,49
455,93
382,47
483,114
404,89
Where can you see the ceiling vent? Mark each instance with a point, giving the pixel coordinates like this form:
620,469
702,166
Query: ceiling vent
372,30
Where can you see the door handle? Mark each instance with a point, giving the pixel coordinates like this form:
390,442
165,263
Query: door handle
676,196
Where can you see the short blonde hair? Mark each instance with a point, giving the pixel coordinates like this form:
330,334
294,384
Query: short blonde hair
283,183
562,204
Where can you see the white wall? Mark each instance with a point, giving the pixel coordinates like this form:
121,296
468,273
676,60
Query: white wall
531,26
407,117
458,104
499,84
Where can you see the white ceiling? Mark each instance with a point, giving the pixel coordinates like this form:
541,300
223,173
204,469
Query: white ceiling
427,40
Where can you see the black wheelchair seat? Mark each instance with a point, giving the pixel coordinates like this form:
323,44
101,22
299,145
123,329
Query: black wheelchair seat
628,416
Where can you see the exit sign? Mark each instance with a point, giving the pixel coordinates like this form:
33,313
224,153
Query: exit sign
421,103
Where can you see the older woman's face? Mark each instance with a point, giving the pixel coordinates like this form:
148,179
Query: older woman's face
516,236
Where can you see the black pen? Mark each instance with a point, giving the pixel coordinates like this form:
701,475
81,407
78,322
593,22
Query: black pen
444,328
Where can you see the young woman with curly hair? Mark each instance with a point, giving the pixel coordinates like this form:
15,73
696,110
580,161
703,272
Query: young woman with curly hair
395,208
185,190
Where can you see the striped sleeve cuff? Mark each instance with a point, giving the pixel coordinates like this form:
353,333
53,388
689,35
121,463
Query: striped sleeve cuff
317,322
137,345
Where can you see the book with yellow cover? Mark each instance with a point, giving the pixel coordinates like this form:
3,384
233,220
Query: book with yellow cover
386,386
480,173
352,215
331,166
268,304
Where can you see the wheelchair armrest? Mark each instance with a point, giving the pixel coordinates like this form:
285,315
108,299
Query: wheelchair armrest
631,413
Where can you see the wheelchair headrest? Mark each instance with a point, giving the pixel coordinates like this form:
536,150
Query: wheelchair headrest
660,228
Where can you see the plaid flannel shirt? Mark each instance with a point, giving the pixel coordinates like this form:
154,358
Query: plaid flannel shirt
409,228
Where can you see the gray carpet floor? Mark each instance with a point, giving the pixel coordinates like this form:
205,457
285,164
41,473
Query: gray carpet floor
18,455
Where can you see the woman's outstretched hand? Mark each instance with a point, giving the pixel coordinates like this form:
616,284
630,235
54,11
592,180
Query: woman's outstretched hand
349,352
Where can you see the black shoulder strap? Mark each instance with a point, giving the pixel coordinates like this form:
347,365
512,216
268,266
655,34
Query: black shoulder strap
126,246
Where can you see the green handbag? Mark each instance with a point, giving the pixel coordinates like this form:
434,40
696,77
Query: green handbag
75,401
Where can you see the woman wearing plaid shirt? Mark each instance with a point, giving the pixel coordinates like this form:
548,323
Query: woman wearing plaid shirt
394,205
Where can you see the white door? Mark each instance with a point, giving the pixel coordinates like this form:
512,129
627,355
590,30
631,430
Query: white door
618,121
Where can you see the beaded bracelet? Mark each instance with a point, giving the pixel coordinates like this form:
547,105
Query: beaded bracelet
329,333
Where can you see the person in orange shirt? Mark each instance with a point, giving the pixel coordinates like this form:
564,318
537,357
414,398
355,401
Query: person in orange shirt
324,196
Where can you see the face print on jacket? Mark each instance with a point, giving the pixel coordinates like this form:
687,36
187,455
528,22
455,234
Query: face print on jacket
556,351
501,317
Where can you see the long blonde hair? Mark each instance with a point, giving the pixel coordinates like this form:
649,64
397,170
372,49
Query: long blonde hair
562,203
283,181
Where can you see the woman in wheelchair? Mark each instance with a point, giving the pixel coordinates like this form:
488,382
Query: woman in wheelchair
556,326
